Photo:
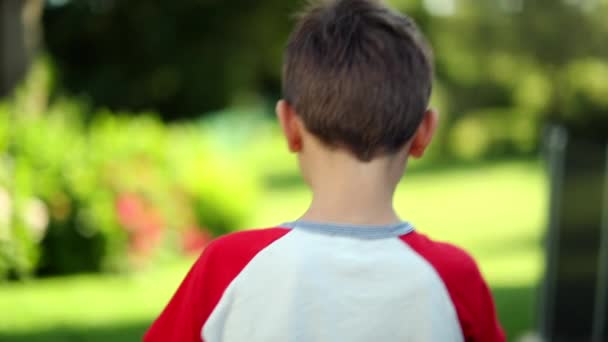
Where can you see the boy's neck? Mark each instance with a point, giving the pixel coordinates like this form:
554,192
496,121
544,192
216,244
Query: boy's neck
351,192
350,210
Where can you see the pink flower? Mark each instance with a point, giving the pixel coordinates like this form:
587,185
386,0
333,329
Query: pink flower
195,239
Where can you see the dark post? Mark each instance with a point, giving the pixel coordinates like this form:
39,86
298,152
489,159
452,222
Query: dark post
19,37
574,300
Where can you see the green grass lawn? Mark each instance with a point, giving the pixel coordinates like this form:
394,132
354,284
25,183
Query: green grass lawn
495,211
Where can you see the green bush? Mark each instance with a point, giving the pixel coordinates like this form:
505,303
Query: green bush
110,193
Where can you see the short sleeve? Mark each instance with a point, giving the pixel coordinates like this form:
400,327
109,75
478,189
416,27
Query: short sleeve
187,312
481,321
184,316
468,290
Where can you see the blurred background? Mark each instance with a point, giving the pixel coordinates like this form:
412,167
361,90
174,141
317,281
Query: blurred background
133,132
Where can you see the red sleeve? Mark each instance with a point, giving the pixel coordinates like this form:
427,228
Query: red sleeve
466,286
183,318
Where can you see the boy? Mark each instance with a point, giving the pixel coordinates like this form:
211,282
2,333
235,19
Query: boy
357,81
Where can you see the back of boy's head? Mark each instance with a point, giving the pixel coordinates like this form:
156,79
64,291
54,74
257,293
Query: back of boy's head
359,75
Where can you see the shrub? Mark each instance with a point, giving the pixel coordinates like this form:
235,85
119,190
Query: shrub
109,194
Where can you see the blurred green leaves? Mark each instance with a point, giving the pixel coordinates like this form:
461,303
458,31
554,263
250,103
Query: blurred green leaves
542,60
110,192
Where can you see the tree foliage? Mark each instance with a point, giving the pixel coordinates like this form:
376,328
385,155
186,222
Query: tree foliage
181,58
510,64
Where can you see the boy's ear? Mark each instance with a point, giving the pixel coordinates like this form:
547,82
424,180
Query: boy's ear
424,134
290,125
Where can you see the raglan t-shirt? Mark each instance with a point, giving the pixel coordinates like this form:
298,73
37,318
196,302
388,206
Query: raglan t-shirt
314,282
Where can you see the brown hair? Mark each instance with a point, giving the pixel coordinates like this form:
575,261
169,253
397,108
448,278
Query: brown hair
359,75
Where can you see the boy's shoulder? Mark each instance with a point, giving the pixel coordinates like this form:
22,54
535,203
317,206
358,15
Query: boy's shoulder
219,264
244,243
230,253
450,261
448,258
465,284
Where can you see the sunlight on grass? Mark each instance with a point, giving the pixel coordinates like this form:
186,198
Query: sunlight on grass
88,300
496,213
